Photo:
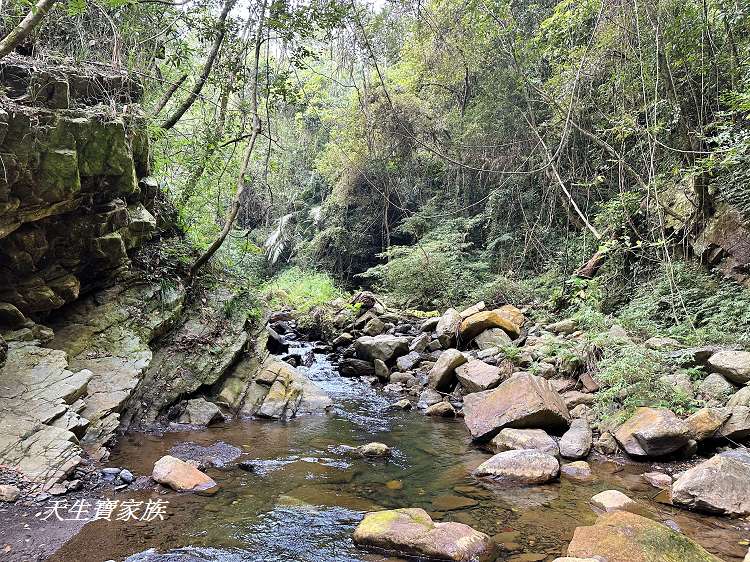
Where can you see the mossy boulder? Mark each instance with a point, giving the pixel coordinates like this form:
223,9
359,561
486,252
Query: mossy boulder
411,531
622,536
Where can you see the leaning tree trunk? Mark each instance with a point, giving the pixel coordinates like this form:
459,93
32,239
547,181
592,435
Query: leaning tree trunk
242,182
172,120
27,25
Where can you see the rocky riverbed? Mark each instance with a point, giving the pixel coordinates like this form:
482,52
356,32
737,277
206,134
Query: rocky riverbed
455,449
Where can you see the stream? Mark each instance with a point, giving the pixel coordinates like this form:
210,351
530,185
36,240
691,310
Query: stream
306,493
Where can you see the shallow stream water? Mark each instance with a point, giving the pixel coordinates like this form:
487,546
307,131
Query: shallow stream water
306,493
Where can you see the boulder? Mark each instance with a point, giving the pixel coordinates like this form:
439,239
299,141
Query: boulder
658,480
447,327
716,389
606,444
509,318
374,450
576,442
200,411
403,404
409,361
381,370
428,397
385,347
523,401
441,410
494,337
626,537
734,365
442,373
351,367
612,500
522,467
717,485
662,344
479,307
577,470
411,531
652,432
573,398
9,493
420,343
704,423
476,376
517,439
180,476
737,426
741,397
374,327
565,327
430,324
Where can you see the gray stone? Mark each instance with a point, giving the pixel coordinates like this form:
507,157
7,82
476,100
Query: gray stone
576,442
716,389
428,397
652,432
734,365
409,361
442,410
741,397
518,439
522,467
381,370
494,337
567,326
385,347
447,327
612,500
9,493
199,411
420,343
476,376
737,426
718,485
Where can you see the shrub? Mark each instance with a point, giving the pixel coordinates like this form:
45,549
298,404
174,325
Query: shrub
301,290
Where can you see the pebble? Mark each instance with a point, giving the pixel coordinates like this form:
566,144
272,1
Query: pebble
126,476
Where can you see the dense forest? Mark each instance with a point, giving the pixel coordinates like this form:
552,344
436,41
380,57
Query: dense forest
451,197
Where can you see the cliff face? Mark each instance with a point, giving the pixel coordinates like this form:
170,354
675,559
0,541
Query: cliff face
72,205
72,150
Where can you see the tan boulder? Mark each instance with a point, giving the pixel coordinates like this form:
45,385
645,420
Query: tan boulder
479,307
626,537
704,423
737,426
523,401
180,476
441,410
577,470
508,317
476,376
522,467
444,370
447,327
652,432
412,531
741,397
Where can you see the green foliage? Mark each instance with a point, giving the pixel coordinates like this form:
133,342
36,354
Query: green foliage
691,305
300,290
630,377
438,271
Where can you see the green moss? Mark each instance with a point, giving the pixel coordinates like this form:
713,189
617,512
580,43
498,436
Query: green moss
58,175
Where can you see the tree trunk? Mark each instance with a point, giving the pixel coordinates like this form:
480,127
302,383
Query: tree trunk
172,120
241,180
27,25
169,93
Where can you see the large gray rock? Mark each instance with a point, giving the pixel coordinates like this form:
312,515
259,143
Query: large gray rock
200,411
576,442
522,467
734,365
409,361
411,531
443,371
523,401
353,367
652,432
494,337
476,376
716,389
518,439
447,327
718,485
737,426
385,347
